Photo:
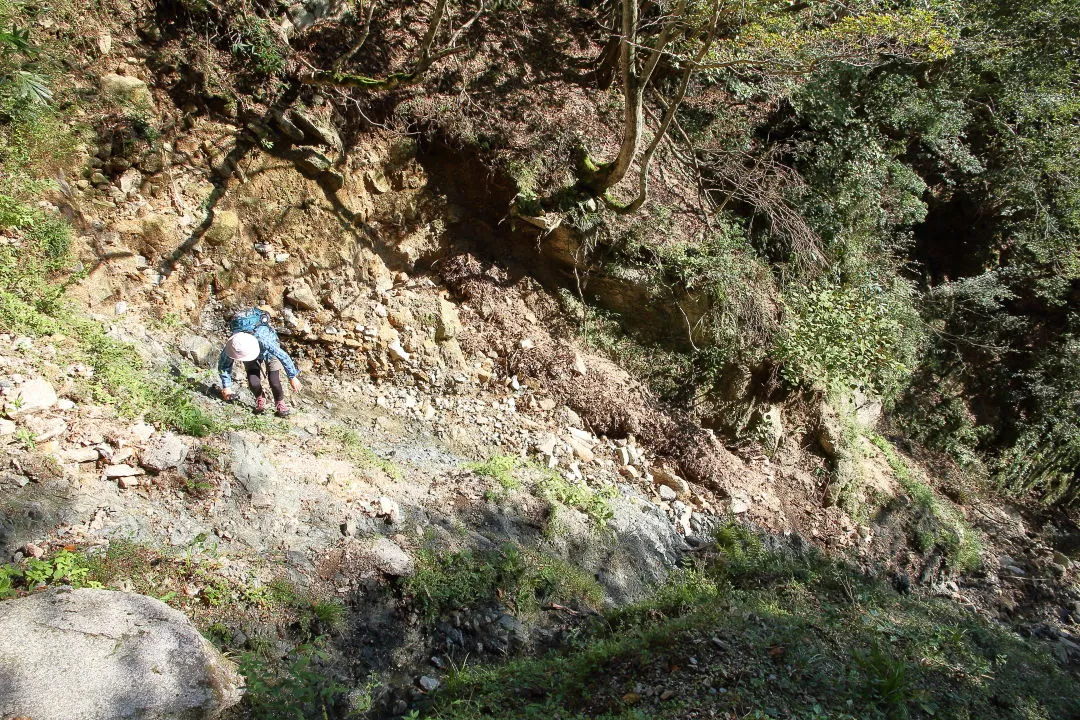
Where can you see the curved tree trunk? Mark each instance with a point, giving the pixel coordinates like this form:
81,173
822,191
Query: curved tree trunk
610,174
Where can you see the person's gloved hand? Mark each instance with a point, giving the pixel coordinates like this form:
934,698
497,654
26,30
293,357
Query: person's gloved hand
227,394
294,383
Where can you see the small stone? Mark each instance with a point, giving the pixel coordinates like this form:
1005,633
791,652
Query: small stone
128,90
527,344
166,453
302,298
80,455
738,507
666,493
65,404
316,131
121,471
667,694
7,427
261,500
447,322
32,550
311,162
223,227
287,126
428,683
390,559
664,476
578,365
389,509
142,431
120,308
546,443
397,352
581,450
126,483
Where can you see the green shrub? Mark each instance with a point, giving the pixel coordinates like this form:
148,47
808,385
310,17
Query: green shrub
522,578
757,633
254,39
63,568
847,337
297,687
594,503
938,523
499,468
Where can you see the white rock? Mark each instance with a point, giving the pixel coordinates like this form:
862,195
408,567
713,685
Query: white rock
579,365
142,431
738,507
79,455
119,471
666,493
389,509
7,427
31,397
121,308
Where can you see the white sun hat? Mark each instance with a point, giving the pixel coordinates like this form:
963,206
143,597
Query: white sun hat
242,347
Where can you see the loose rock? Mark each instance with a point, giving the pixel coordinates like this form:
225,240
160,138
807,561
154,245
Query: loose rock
31,397
93,654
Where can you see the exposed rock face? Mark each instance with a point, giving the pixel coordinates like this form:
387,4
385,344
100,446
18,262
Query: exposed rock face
96,654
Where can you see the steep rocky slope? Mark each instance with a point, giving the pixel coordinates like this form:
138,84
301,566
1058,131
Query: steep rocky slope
456,422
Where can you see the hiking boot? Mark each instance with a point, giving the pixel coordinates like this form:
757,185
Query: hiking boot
260,405
283,409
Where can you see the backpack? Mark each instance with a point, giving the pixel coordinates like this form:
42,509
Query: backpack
248,320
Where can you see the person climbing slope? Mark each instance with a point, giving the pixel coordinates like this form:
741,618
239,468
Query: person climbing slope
254,343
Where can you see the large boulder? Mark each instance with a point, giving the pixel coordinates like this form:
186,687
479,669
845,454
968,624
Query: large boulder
301,297
98,655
